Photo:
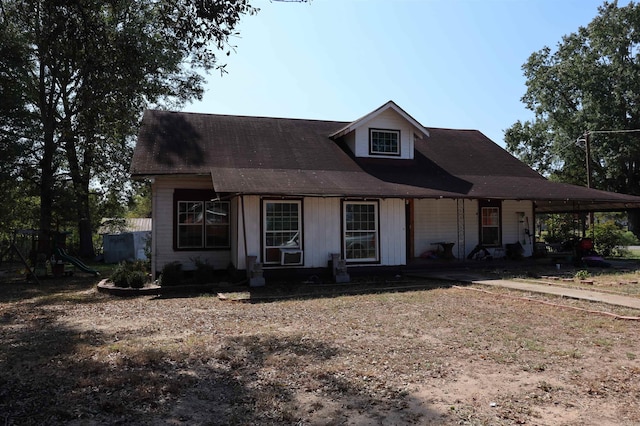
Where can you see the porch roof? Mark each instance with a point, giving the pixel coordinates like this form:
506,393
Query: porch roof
549,197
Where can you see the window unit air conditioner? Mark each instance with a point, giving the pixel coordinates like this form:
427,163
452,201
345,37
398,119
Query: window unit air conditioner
290,257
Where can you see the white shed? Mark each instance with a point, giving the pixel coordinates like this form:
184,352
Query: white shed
125,239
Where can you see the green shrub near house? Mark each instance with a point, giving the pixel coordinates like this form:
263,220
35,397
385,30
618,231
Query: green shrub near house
171,275
130,274
611,240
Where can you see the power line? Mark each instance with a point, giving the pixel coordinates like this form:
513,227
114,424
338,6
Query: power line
585,138
592,132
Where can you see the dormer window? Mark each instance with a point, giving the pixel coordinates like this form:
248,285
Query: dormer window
384,142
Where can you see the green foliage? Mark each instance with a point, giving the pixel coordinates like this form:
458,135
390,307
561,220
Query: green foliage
120,274
76,77
171,275
127,274
608,233
589,83
204,272
610,239
139,204
582,274
560,227
137,279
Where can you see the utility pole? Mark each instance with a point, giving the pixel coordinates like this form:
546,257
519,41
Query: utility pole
588,157
587,149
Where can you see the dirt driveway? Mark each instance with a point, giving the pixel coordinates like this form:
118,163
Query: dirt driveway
71,355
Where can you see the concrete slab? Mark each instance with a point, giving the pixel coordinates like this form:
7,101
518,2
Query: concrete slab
573,293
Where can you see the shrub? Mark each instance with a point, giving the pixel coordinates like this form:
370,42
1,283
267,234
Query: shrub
610,239
136,279
171,274
119,277
582,274
129,275
204,272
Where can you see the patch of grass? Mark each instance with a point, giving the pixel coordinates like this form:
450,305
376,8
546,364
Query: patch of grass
370,358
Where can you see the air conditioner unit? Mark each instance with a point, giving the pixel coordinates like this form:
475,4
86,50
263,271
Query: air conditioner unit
290,257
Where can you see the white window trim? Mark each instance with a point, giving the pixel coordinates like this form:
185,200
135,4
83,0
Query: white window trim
180,225
345,248
383,153
264,229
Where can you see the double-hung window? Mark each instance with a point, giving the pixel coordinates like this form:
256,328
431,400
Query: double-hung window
282,229
490,235
384,142
202,224
361,237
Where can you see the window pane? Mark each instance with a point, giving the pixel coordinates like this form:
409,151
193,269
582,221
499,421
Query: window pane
217,212
490,216
361,235
384,142
217,228
190,236
190,212
194,232
490,226
190,217
282,228
490,236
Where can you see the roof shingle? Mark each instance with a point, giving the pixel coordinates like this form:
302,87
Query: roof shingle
278,156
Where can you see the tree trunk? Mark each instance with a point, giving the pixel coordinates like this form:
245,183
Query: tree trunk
80,176
85,231
47,176
633,216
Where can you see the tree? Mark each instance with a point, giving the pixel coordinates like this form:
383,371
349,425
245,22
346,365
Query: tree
590,83
82,71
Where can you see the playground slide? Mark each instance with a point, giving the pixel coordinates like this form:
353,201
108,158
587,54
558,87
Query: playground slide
61,254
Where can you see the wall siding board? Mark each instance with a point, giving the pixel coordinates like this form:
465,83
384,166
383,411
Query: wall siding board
391,120
472,225
512,229
163,253
393,248
321,230
253,217
434,220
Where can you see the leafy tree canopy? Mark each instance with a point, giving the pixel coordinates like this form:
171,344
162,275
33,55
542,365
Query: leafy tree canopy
76,76
590,83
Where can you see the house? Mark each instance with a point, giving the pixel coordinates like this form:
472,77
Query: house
380,190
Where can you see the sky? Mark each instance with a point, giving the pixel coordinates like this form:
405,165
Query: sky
448,63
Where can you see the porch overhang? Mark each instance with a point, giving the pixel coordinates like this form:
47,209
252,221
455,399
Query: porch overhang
584,206
316,183
548,197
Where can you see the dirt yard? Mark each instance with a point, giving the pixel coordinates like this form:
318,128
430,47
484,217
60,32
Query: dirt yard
451,356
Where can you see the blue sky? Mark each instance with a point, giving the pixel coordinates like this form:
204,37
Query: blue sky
448,63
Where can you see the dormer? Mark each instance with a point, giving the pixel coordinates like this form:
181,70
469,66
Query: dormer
388,132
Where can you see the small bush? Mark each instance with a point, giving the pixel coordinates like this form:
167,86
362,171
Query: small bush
582,274
129,275
137,279
120,274
204,272
171,274
610,239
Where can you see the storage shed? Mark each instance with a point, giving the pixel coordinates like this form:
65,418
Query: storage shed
125,239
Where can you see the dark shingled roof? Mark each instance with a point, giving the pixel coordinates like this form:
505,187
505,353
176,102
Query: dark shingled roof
277,156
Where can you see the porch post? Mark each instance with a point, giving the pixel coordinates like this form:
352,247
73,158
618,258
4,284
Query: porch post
461,228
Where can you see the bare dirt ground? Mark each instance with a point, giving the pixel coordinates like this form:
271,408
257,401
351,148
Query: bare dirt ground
72,355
